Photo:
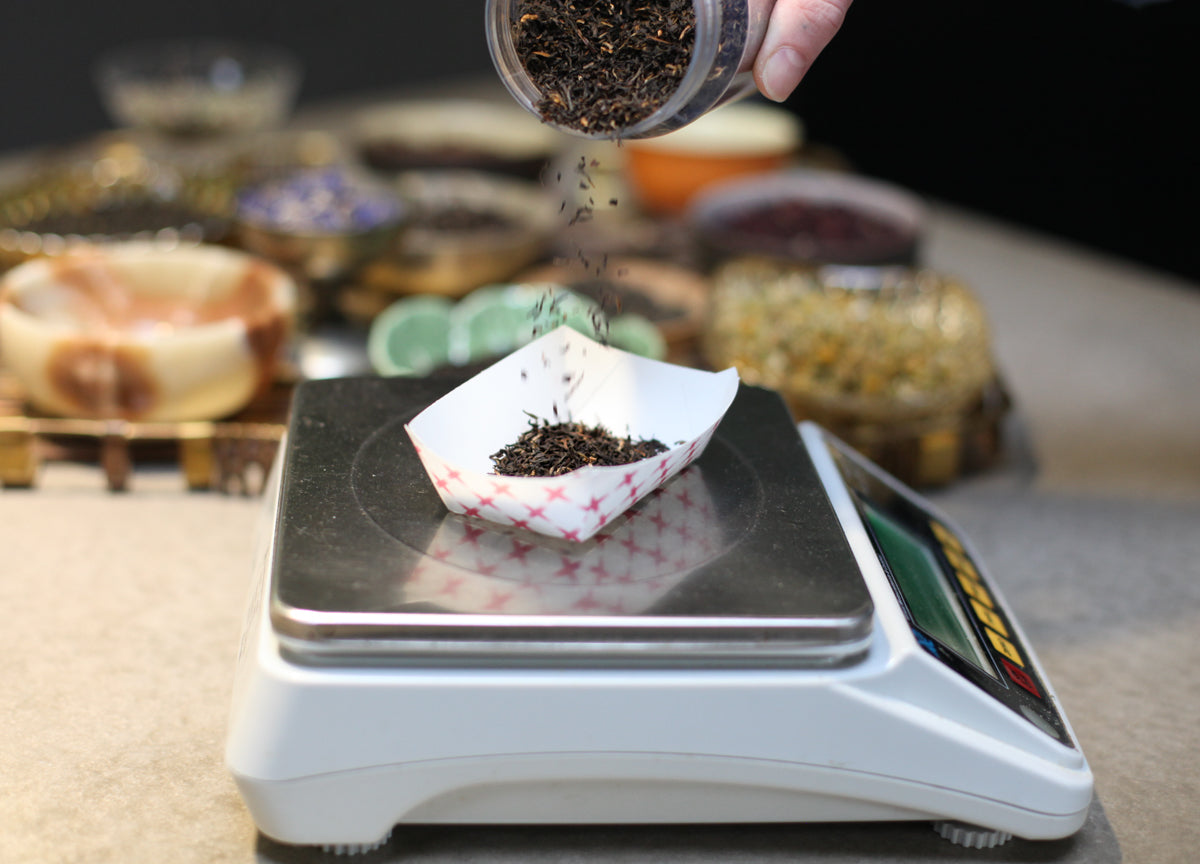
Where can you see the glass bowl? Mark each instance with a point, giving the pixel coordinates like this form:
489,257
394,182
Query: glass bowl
851,344
809,216
198,88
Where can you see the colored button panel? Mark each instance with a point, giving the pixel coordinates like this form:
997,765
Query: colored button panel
984,608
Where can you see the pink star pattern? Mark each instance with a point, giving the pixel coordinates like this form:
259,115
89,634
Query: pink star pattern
473,564
520,550
570,569
579,504
563,509
497,601
587,603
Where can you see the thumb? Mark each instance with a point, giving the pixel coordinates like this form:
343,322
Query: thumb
797,32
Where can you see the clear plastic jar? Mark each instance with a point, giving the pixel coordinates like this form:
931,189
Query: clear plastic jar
727,36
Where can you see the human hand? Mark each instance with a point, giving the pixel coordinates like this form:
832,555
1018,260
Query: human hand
796,33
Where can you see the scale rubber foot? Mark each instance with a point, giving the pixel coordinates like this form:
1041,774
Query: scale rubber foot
971,836
355,848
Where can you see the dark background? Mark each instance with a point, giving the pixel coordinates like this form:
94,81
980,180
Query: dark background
1072,116
1068,116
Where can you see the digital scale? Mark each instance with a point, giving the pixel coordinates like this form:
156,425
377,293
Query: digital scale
782,633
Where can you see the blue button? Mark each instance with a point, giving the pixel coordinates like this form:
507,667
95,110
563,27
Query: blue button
926,643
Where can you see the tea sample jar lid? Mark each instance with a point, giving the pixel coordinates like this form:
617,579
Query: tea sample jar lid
605,73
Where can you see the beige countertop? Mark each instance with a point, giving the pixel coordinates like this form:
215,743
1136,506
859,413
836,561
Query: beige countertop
122,612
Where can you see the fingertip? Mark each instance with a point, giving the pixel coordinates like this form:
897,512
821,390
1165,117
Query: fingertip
781,73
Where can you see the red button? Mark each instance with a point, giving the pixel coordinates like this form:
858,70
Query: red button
1020,677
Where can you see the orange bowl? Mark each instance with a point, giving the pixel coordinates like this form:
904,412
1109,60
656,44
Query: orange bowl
666,173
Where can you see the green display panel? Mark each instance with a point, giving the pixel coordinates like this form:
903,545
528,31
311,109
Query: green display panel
922,583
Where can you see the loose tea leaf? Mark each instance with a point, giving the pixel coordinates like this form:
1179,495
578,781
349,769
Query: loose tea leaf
461,218
603,66
551,449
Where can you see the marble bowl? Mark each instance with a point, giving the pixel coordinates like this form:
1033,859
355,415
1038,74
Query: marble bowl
135,331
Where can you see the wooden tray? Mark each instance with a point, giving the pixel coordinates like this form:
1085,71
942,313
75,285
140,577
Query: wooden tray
232,456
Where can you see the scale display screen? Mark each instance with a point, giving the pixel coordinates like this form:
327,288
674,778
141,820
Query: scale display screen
931,604
954,614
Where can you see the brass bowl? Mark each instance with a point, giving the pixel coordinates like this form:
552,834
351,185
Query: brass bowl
316,256
289,219
466,230
119,194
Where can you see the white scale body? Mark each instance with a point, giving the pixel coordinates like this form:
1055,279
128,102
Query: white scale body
377,704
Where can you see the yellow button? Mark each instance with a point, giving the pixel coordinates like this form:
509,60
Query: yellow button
961,562
988,617
944,534
1005,647
975,590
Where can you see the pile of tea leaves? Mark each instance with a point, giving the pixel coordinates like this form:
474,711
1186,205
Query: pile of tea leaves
603,65
551,449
